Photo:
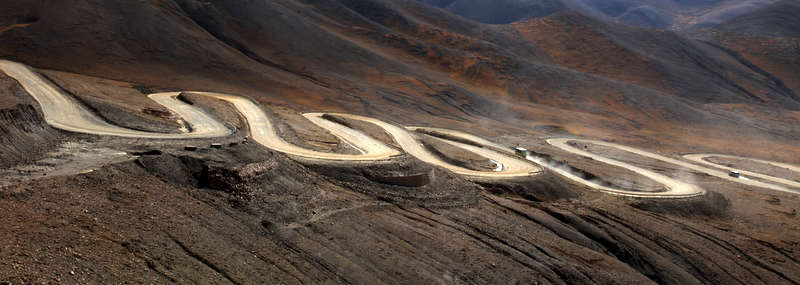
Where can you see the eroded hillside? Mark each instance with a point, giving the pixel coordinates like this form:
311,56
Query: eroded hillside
237,209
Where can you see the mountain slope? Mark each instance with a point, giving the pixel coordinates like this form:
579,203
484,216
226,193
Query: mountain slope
766,38
781,19
652,14
245,214
660,60
398,60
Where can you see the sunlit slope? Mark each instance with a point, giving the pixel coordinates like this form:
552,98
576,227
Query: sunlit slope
657,59
781,19
662,14
409,63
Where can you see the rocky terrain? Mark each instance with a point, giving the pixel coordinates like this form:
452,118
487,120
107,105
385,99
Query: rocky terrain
94,209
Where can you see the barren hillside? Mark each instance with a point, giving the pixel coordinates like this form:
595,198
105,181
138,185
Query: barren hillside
672,15
285,198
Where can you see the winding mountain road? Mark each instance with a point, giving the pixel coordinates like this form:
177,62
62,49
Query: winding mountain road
700,158
63,112
675,188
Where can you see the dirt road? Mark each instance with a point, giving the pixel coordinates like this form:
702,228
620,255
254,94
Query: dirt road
723,174
65,113
675,188
511,166
62,111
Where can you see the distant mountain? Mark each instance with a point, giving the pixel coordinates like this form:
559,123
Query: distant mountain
781,19
361,56
662,14
767,38
663,61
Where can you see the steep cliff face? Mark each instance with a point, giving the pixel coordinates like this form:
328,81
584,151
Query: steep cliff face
24,135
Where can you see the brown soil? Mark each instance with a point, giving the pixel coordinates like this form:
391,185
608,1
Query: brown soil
568,42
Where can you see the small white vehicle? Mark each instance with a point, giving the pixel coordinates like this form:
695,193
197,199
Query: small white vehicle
734,174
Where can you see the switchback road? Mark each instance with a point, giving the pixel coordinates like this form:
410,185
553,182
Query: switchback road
675,188
723,174
65,113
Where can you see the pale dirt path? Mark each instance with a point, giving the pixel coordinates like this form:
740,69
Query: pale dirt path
510,166
64,113
675,188
795,184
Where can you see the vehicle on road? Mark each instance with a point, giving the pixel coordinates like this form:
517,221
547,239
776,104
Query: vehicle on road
521,152
734,174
